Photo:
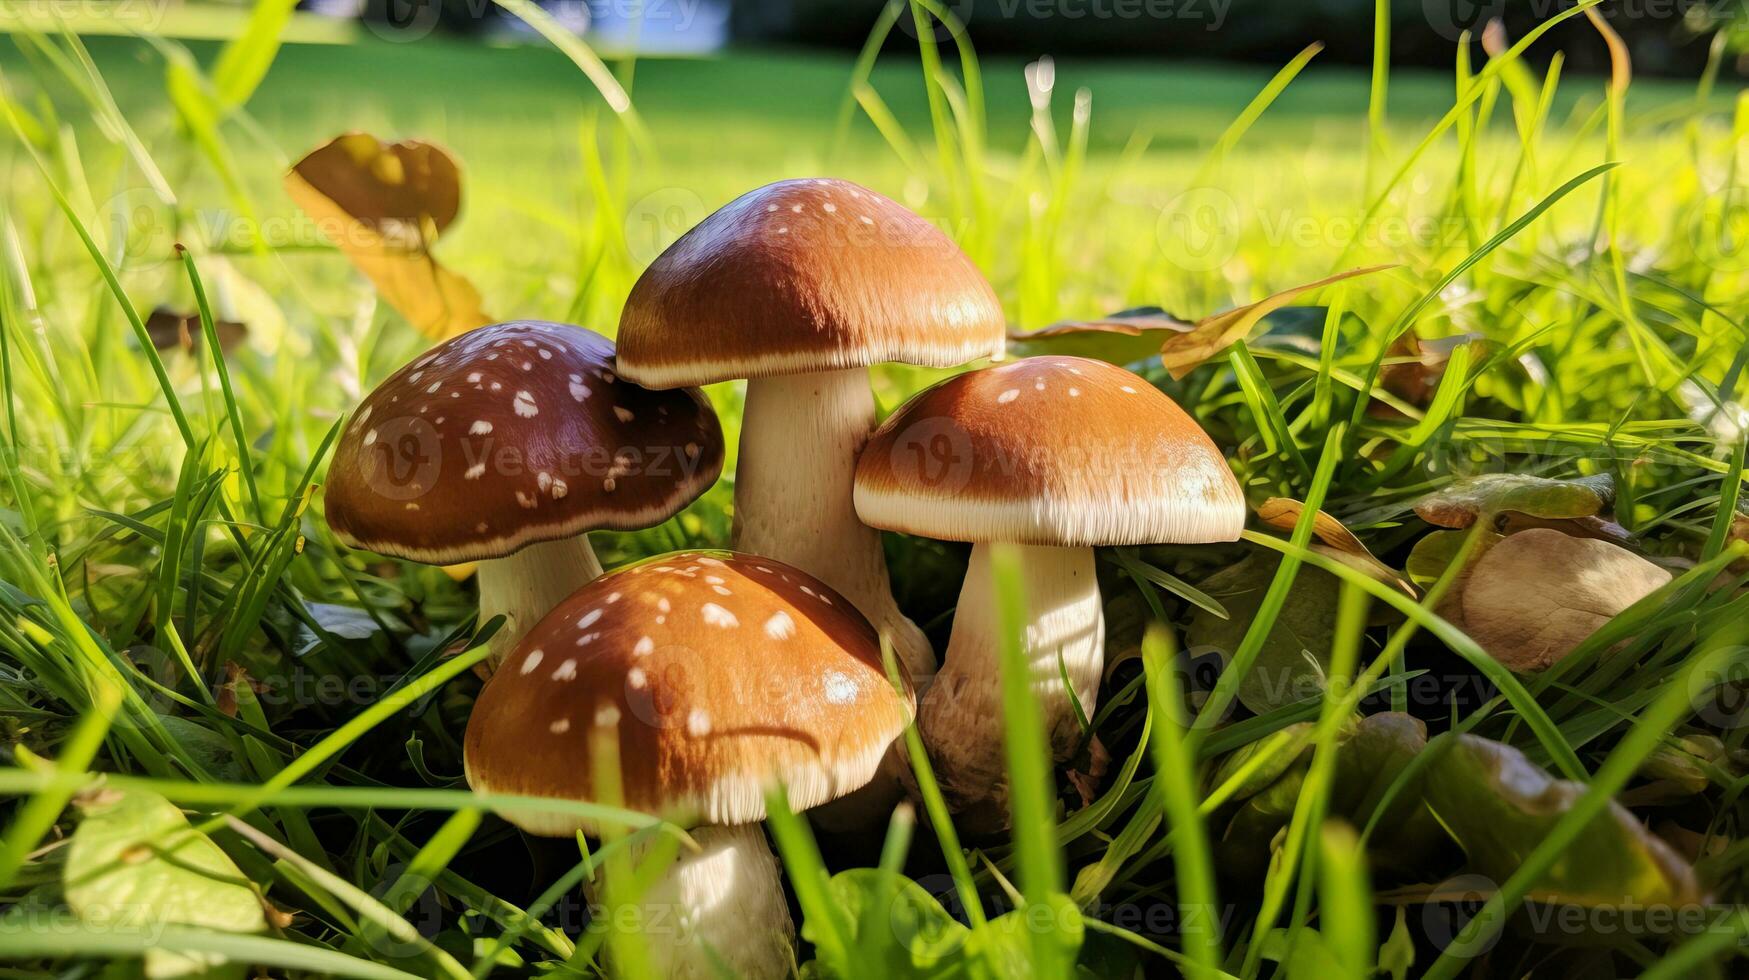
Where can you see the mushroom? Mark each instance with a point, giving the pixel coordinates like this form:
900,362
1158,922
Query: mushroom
504,445
1053,455
716,675
798,287
1538,594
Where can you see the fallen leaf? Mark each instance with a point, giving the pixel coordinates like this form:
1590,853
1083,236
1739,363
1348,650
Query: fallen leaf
1462,503
1335,541
135,861
1184,352
930,942
1538,594
385,205
1123,337
1088,771
169,329
1499,806
1291,666
1413,369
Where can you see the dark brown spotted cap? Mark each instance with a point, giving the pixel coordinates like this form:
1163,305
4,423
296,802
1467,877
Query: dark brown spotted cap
512,434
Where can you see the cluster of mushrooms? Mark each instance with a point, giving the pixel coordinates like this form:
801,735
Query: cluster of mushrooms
713,675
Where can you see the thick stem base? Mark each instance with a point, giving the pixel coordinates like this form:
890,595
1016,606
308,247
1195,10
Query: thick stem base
724,904
960,718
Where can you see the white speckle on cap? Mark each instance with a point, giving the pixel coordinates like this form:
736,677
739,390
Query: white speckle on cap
636,678
566,671
579,391
362,415
624,414
840,688
530,662
475,472
586,639
797,208
783,229
480,428
370,437
414,377
607,716
432,388
718,616
698,724
474,377
663,604
719,590
588,619
1127,389
712,562
612,597
713,579
608,484
410,505
528,501
524,405
1008,396
1074,393
770,207
545,355
560,488
528,365
644,647
560,727
544,480
1039,385
497,386
828,207
780,626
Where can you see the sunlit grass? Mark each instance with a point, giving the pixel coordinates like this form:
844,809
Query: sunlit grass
162,543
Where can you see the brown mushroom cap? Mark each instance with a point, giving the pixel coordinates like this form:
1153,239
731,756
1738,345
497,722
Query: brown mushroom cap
800,276
512,434
1048,451
718,673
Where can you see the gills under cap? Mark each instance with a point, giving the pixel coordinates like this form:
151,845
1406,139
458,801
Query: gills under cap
512,434
716,673
806,275
1048,451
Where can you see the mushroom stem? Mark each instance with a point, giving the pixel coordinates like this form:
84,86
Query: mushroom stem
794,489
524,586
720,908
961,718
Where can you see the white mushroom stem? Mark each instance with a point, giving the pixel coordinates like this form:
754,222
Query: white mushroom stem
723,904
526,585
961,718
794,490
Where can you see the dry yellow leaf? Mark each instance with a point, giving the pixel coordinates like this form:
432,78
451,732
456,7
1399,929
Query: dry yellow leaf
385,205
1183,353
1335,540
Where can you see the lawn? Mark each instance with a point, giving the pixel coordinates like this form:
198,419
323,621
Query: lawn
1330,753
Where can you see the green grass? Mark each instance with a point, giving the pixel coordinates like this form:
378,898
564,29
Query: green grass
175,614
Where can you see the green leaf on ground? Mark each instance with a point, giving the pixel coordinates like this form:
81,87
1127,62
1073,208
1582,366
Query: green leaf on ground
1499,805
135,863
